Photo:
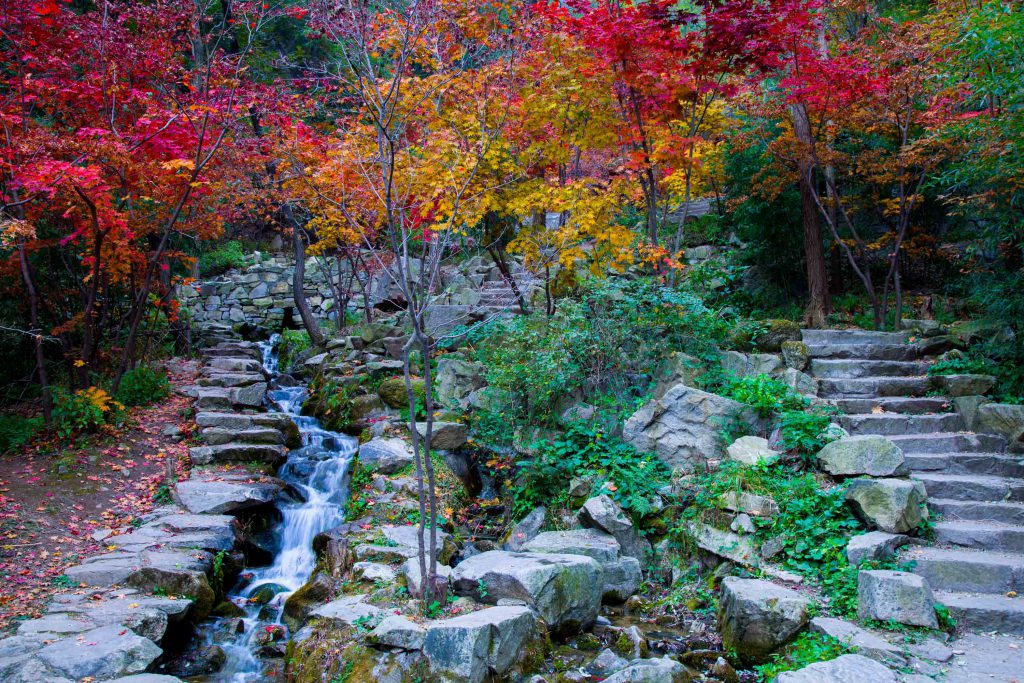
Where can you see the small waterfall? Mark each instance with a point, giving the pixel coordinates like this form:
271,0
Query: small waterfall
316,471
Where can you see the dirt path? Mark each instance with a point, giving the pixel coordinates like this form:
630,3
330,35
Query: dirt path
60,499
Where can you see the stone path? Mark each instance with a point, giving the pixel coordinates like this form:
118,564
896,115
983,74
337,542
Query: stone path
975,488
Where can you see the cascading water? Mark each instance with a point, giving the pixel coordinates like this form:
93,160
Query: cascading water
316,473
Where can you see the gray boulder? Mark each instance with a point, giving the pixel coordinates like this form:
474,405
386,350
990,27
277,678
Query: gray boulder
604,514
224,497
902,597
445,436
893,505
683,427
865,642
749,364
526,530
397,631
800,382
751,450
795,354
756,617
410,569
1004,419
564,589
845,669
348,610
662,670
457,378
875,456
106,652
386,456
621,576
963,385
475,646
874,546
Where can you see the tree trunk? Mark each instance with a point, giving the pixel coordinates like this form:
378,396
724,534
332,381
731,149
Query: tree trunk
37,334
818,302
316,336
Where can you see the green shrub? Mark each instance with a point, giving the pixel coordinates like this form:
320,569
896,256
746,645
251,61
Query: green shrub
142,386
293,342
765,394
807,648
804,433
223,257
85,410
330,402
631,478
16,431
962,365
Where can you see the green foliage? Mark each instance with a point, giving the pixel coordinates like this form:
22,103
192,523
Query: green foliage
362,478
293,342
17,430
82,411
629,477
224,257
960,365
607,340
143,385
806,649
331,402
765,394
804,433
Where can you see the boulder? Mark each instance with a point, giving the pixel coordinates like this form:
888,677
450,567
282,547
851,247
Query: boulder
963,385
564,589
1004,419
348,611
663,670
106,652
679,368
174,577
749,503
525,531
397,631
875,456
224,497
480,645
445,436
756,617
800,382
392,392
902,597
386,456
739,364
457,378
845,669
968,407
731,546
864,642
795,354
874,546
683,427
410,569
300,604
893,505
606,663
775,332
621,576
751,450
604,514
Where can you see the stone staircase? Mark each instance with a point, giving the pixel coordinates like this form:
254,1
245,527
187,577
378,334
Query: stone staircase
497,295
975,562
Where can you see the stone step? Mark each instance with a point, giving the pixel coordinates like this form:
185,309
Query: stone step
997,536
852,368
863,351
872,387
853,337
969,571
1007,513
893,404
992,464
973,487
950,442
985,612
894,424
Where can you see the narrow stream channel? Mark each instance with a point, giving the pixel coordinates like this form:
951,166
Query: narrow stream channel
315,474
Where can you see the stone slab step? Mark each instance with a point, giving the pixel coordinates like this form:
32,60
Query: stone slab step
967,570
895,424
872,387
991,464
995,536
950,442
1005,512
985,612
853,337
863,351
974,487
851,368
893,404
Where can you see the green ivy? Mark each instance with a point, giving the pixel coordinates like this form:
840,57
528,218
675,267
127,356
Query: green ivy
806,649
765,394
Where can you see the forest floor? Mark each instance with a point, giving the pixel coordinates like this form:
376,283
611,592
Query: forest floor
61,499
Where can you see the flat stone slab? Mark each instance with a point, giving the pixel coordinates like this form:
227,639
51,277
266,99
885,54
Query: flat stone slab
106,652
348,610
216,497
845,669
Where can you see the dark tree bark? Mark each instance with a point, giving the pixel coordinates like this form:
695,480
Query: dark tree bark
316,336
819,303
37,334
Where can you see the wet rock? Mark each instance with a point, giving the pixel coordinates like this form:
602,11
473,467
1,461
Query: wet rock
845,669
203,662
893,505
265,593
874,456
564,589
606,663
604,514
106,652
217,497
526,530
756,617
489,642
897,596
386,456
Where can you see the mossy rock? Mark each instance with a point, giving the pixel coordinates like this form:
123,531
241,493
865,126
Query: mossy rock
777,330
392,392
319,590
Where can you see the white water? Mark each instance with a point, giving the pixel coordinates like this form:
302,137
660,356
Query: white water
317,472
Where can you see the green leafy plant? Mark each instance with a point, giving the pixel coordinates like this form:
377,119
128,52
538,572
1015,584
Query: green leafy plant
807,648
226,256
16,431
330,401
293,342
362,478
962,365
85,410
143,385
765,394
804,433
